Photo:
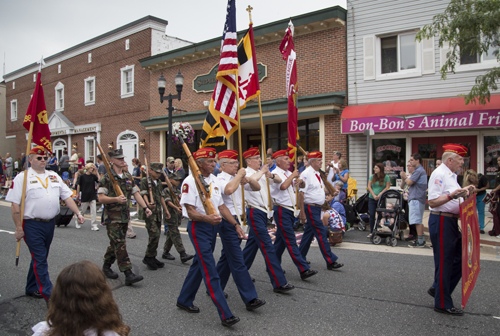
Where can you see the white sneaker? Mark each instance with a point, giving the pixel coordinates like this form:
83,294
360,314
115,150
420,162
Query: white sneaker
78,225
95,228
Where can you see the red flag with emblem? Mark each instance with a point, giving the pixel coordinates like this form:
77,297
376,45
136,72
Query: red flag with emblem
37,113
287,49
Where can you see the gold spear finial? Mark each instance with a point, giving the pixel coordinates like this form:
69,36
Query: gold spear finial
249,10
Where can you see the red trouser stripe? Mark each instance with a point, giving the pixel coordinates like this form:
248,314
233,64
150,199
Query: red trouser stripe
320,237
209,285
263,248
441,258
288,244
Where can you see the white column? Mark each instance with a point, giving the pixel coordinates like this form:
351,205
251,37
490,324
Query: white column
163,145
69,144
322,136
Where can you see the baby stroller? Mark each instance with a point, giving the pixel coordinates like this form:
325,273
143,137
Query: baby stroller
396,198
359,208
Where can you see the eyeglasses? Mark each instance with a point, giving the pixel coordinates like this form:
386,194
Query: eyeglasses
232,163
39,158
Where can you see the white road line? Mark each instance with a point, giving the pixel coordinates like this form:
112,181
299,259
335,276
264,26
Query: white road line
9,232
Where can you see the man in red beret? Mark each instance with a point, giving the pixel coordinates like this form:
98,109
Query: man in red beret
444,195
285,211
43,190
231,260
202,229
311,199
258,212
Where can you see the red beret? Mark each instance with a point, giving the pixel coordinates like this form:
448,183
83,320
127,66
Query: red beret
455,148
38,150
315,155
228,154
251,152
207,152
283,152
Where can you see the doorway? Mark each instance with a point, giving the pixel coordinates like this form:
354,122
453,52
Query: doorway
128,141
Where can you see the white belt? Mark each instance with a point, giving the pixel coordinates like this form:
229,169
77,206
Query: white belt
295,212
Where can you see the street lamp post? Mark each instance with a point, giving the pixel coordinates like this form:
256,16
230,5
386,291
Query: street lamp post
179,83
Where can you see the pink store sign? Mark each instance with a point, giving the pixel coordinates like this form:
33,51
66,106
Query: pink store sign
460,120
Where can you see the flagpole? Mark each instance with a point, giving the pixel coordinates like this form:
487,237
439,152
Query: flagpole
25,182
240,152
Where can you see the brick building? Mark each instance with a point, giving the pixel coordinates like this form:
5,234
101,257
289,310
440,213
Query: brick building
320,44
94,89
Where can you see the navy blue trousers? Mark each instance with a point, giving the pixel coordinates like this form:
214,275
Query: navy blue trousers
285,237
315,228
231,262
447,245
258,238
38,236
203,236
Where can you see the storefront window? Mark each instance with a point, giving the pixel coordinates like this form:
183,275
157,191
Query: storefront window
277,135
392,154
491,154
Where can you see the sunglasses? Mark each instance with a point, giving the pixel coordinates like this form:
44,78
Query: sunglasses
39,158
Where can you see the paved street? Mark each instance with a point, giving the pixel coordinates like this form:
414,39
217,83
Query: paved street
380,290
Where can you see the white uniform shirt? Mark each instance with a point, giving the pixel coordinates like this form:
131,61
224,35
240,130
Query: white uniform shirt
260,197
223,179
443,182
331,171
314,191
190,194
42,194
282,196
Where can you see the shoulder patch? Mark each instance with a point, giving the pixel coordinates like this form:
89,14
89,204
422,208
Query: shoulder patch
185,188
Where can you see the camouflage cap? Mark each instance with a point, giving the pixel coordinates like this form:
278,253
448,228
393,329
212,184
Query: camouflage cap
175,176
116,154
156,167
170,159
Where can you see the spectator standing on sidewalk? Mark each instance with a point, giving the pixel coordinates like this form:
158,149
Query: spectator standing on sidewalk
377,185
416,197
86,185
406,207
64,163
481,184
8,165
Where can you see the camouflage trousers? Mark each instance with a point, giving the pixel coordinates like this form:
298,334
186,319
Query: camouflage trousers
117,249
154,231
173,234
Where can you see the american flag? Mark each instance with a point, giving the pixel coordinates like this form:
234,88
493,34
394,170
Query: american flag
438,182
223,105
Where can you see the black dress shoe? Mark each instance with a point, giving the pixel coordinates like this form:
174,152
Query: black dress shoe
255,303
307,274
35,295
230,321
450,311
432,291
167,255
334,265
284,288
308,262
192,309
482,232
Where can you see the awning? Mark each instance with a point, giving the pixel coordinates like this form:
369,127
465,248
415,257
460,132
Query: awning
417,107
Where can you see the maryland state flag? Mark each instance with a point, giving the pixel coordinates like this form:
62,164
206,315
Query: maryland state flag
287,49
37,113
248,75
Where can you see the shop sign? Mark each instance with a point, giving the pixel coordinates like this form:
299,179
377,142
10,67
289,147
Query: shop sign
85,129
57,133
471,119
206,82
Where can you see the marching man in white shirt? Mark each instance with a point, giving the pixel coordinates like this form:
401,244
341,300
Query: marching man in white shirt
257,213
284,199
311,198
43,191
231,260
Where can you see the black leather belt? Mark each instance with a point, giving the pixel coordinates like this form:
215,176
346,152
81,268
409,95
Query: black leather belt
316,205
41,220
445,214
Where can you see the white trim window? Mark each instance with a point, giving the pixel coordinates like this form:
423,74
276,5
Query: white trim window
477,61
89,149
13,85
89,91
397,55
13,110
59,104
34,78
59,68
127,44
127,81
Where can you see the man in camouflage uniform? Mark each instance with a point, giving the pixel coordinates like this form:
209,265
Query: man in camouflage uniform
117,216
153,222
173,234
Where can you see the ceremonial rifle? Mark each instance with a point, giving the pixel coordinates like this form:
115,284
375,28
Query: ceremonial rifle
175,200
116,186
201,185
328,185
150,183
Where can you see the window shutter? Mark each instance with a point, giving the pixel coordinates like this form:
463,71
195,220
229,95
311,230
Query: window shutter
369,57
428,66
442,53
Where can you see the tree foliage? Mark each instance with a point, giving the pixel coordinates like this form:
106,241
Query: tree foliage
470,27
